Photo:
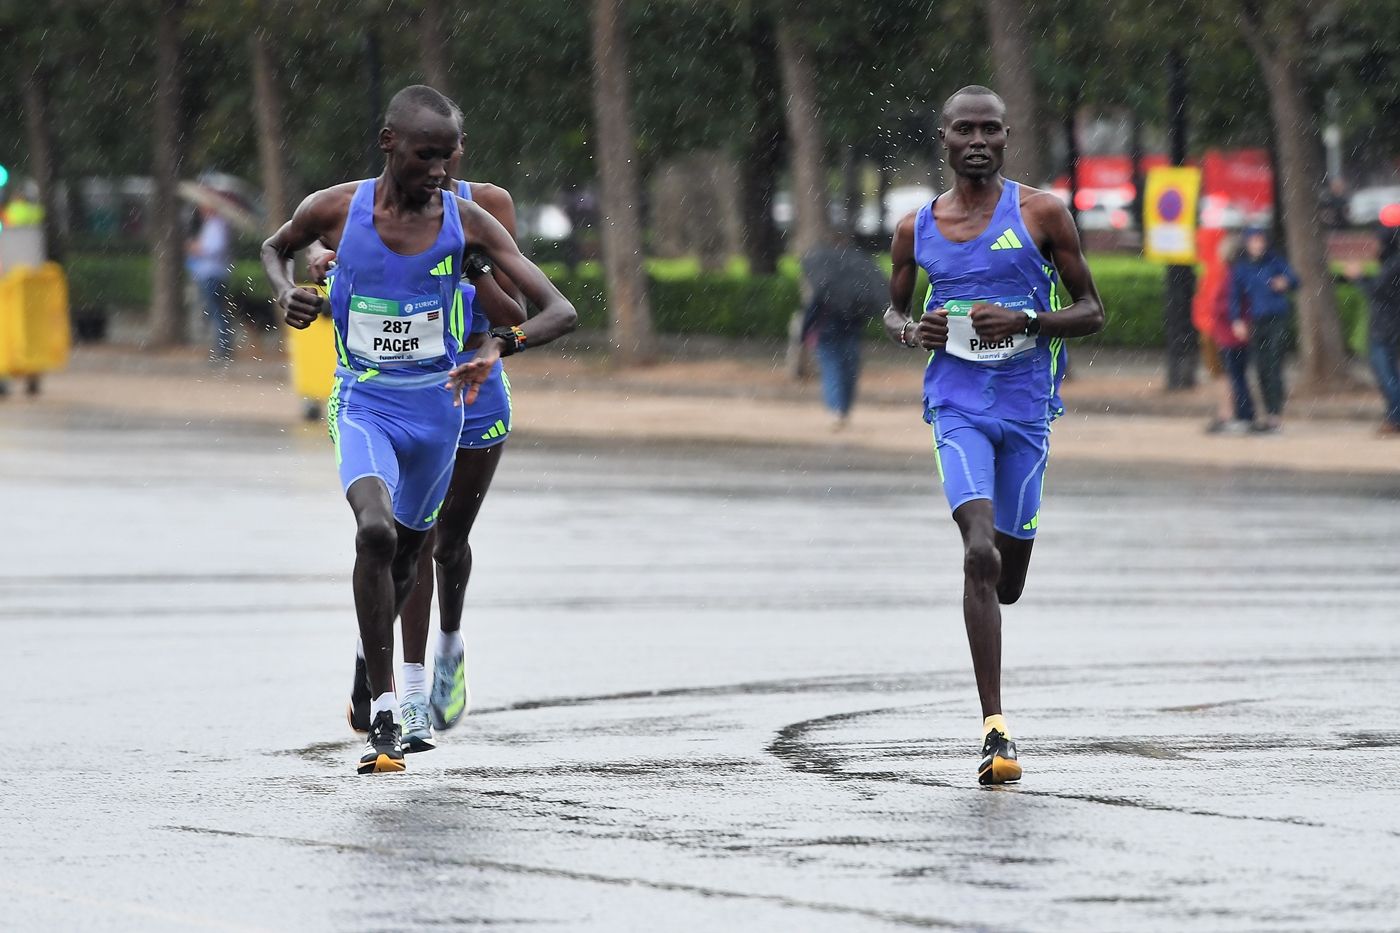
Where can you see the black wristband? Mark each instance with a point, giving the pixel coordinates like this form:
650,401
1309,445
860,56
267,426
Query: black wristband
512,339
475,263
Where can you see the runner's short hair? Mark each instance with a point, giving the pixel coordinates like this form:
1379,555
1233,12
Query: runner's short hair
417,97
972,90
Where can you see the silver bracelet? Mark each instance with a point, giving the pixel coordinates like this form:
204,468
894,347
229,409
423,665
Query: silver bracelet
904,334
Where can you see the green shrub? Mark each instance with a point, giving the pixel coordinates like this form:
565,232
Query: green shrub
1133,300
728,304
100,280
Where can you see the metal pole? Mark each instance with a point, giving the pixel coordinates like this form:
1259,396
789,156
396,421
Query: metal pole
1180,280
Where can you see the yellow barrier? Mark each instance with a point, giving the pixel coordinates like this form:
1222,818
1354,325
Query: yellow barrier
312,356
35,333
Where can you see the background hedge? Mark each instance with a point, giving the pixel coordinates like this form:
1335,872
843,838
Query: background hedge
730,303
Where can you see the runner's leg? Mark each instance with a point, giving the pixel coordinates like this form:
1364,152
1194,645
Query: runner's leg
1015,562
1022,454
471,479
376,556
417,609
981,613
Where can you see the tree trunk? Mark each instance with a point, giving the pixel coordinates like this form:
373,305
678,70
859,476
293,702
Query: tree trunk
38,130
374,78
620,196
1278,42
852,191
1071,131
433,31
810,201
1009,30
167,319
764,156
267,108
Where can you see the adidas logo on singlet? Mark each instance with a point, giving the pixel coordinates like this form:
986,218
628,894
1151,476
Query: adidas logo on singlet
1008,240
443,268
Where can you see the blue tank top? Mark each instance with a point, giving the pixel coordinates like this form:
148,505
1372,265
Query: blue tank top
399,317
479,323
1019,378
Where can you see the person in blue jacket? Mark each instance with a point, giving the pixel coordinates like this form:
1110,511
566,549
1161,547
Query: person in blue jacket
1261,282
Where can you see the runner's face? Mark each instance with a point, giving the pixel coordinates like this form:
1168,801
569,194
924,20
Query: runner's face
421,154
974,132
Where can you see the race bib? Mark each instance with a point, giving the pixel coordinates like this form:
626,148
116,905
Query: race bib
384,331
964,343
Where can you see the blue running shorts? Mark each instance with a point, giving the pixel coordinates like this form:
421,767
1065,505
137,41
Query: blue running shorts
982,457
486,422
403,431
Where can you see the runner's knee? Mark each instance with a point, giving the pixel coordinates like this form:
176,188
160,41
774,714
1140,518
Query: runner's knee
1008,591
982,563
377,538
452,547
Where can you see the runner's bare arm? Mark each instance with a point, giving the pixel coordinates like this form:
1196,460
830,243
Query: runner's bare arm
318,217
931,332
1085,313
555,318
319,257
501,299
1049,221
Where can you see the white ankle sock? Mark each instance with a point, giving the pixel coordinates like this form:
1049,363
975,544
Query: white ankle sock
382,702
415,680
448,642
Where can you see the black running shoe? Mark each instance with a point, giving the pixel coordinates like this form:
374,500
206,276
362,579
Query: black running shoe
383,751
358,712
999,765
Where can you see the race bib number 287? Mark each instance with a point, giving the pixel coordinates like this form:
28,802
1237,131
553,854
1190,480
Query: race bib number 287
385,331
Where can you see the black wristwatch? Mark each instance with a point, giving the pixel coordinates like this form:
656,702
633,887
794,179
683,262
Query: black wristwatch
475,264
512,339
1032,322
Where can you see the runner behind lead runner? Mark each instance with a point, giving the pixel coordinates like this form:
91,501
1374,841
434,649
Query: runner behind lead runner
995,325
400,330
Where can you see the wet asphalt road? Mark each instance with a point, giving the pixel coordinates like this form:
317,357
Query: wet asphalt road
712,691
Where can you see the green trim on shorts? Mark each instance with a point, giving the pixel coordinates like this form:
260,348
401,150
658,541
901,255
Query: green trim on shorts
937,454
333,416
510,402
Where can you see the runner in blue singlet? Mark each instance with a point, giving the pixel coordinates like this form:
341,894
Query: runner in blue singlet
495,301
996,328
400,315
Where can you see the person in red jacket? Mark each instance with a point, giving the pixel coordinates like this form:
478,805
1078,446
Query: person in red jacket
1237,404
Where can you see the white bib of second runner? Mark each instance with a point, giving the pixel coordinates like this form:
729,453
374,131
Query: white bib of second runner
964,343
384,331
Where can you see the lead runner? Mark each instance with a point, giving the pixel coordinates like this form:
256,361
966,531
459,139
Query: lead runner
996,329
403,245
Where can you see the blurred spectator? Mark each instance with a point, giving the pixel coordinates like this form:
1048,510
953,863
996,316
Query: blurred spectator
844,291
22,212
1260,283
581,207
1211,283
208,256
1236,404
1383,294
1332,209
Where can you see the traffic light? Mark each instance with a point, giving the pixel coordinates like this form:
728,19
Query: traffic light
4,176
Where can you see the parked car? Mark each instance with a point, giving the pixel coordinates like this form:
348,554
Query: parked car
1366,205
